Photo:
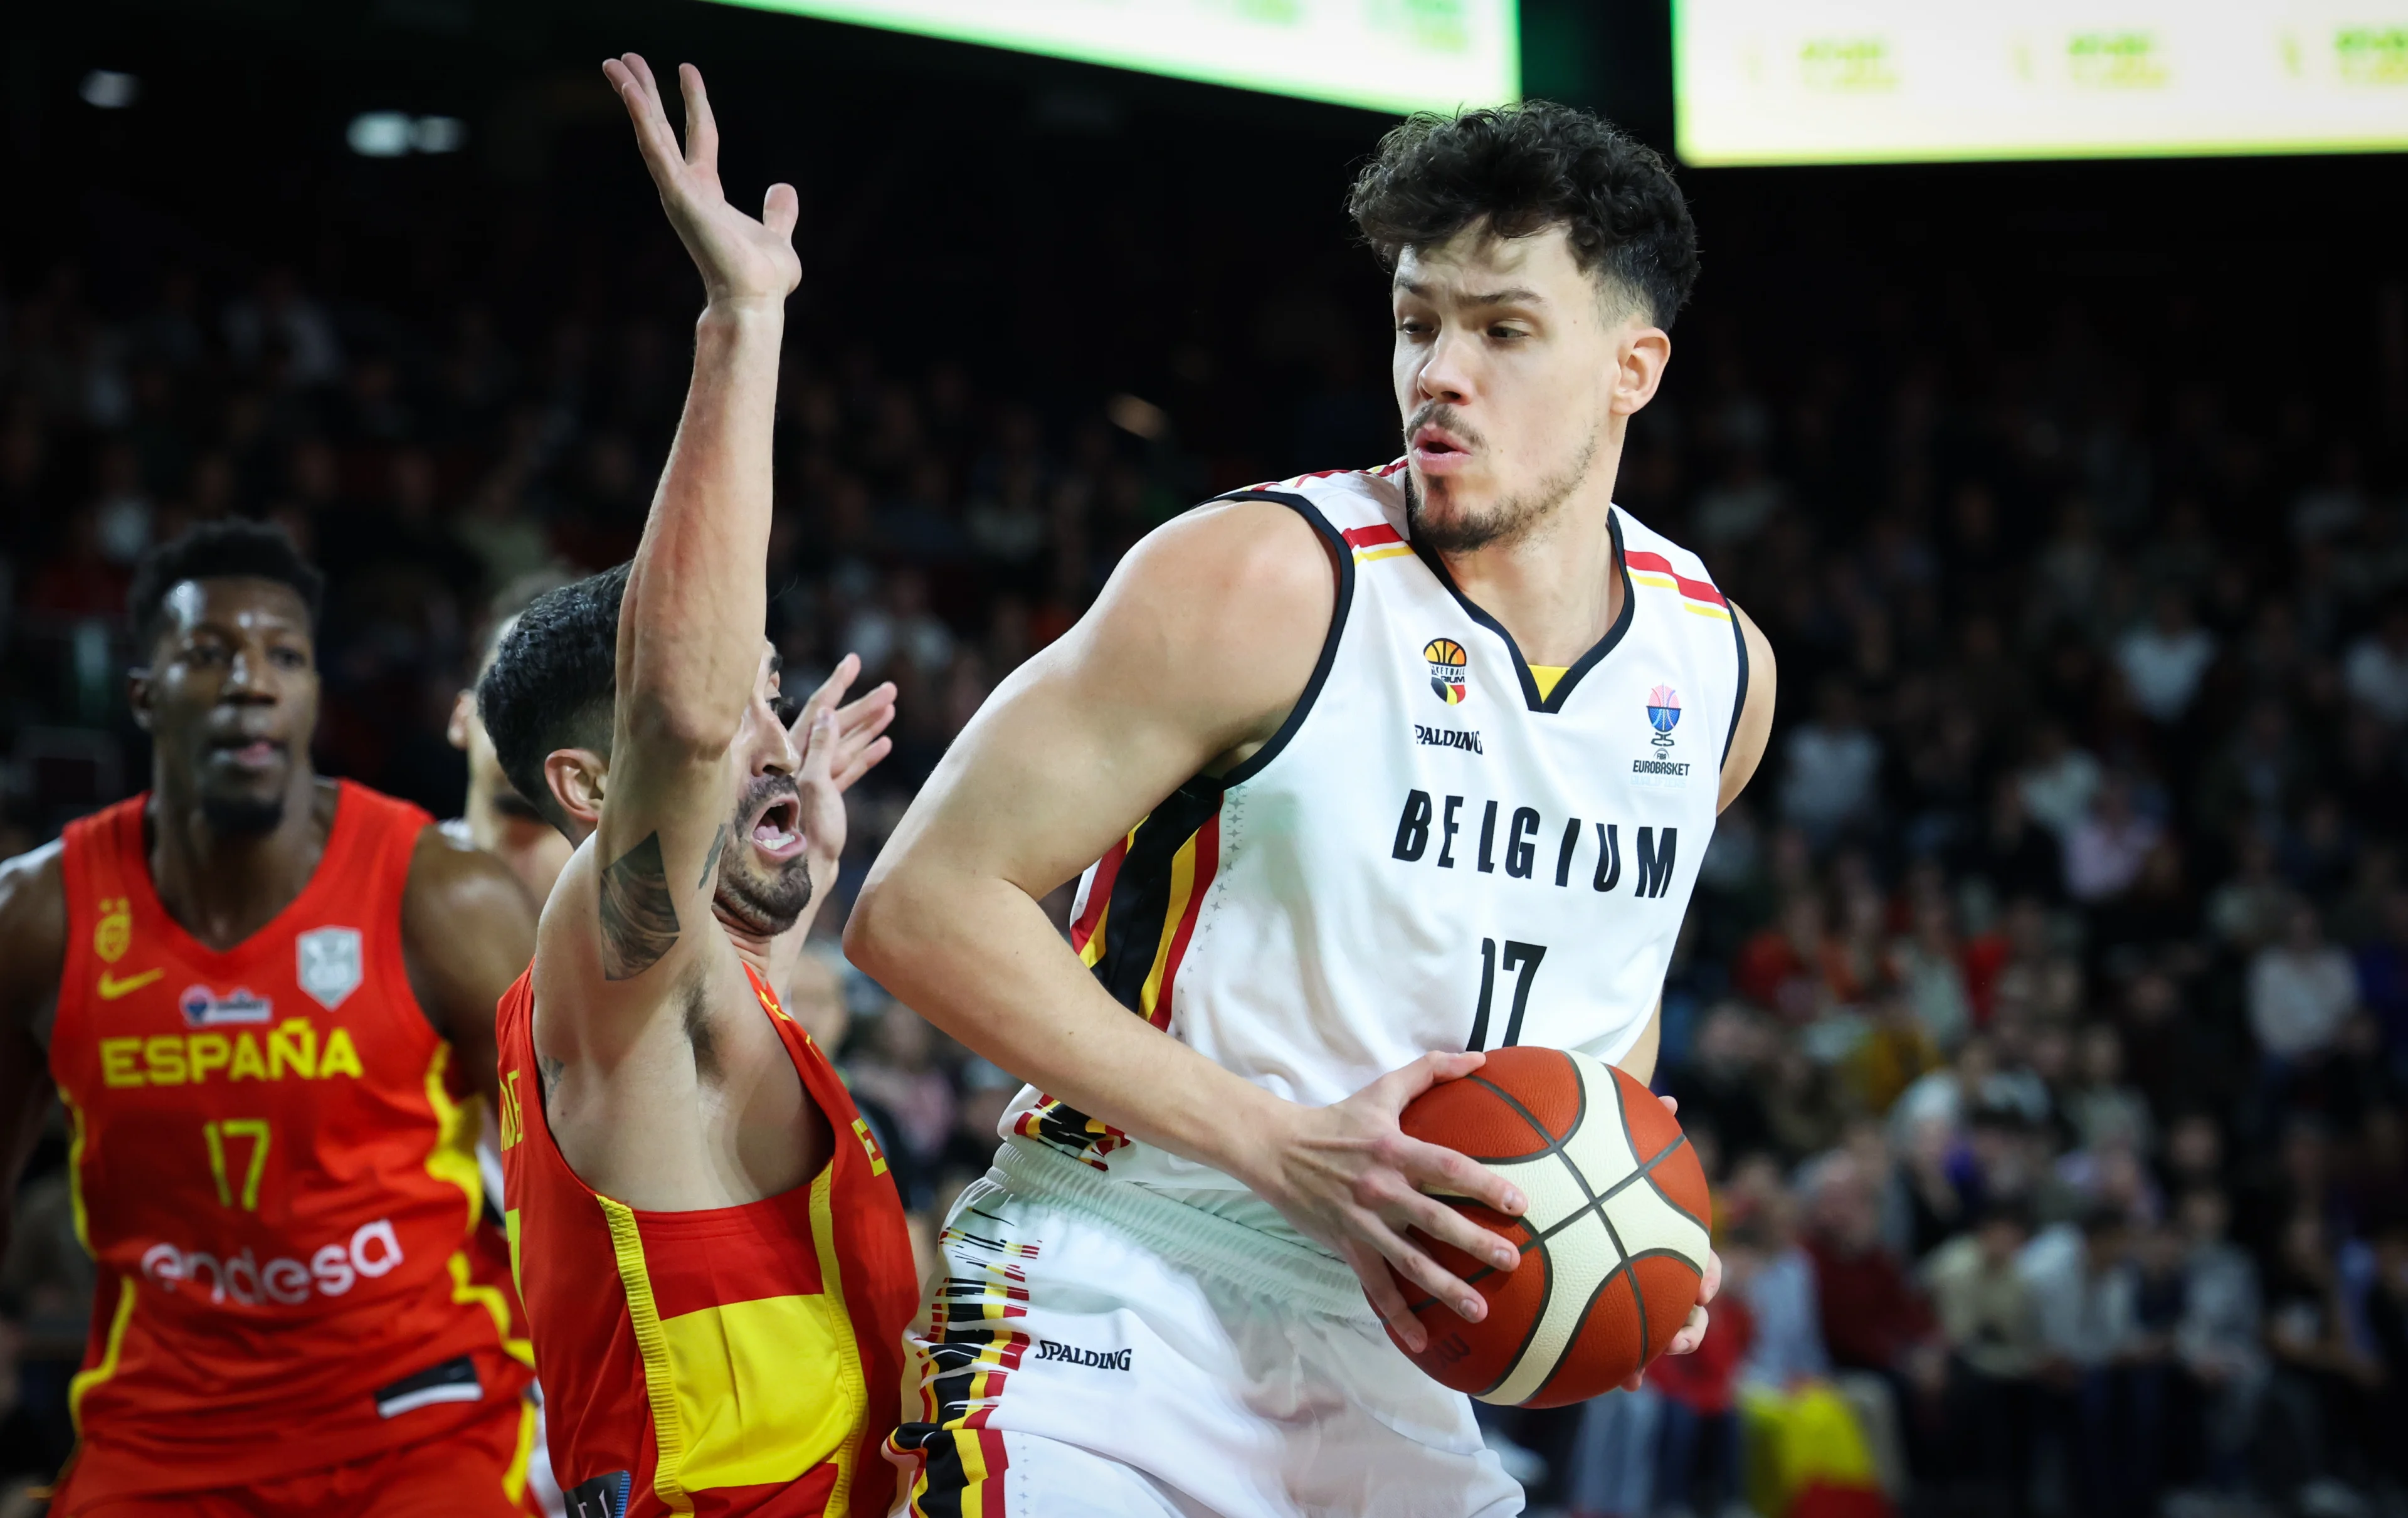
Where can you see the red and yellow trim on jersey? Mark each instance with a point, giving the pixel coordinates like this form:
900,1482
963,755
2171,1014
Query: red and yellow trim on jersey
1657,571
1133,931
972,1350
1372,544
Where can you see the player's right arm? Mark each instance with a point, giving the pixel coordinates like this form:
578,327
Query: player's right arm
33,955
631,924
1190,660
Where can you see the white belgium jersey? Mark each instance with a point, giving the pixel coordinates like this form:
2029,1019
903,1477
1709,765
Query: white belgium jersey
1430,854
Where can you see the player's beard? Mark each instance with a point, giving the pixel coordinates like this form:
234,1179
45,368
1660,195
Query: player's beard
242,816
759,898
1510,519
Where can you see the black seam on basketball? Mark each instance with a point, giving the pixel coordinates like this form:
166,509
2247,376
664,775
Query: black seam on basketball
1579,1324
1596,1208
1554,1147
1638,1298
1670,1255
1546,1295
1648,1175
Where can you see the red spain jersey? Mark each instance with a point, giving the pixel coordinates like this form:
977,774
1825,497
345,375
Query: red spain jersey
274,1165
734,1360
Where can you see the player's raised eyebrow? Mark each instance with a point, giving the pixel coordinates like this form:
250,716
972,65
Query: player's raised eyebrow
1511,295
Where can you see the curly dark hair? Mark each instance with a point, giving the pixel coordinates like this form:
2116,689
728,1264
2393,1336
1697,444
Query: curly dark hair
553,683
230,549
1526,168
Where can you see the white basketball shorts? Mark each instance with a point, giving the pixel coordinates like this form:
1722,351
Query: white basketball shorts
1098,1351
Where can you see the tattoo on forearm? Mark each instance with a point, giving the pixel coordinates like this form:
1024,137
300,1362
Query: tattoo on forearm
640,920
710,862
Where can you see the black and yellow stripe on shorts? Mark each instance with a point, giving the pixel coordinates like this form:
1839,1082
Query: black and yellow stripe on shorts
972,1348
1141,909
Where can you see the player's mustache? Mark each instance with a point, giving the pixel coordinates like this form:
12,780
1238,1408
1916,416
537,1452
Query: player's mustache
1440,414
765,790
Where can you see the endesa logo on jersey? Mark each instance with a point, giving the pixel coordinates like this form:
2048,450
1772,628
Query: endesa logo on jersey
206,1009
372,1250
1447,662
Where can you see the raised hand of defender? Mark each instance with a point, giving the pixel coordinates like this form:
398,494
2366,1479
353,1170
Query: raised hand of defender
1347,1174
859,723
741,259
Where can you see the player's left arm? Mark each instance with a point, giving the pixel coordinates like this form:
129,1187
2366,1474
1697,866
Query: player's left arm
467,929
1754,729
1748,740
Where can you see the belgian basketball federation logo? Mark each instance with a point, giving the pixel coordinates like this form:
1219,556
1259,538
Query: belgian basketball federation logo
1446,663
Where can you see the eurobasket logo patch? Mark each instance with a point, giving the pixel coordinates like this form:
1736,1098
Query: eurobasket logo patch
1446,665
1663,709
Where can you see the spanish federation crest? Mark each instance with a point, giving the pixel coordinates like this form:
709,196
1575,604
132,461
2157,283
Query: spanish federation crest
329,970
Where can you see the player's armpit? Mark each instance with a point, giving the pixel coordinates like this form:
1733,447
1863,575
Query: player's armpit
1754,727
467,930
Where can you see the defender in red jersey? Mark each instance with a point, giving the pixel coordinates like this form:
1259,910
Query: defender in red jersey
267,1001
713,1255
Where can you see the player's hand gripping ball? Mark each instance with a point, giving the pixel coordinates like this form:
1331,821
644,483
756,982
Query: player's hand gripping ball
1613,1245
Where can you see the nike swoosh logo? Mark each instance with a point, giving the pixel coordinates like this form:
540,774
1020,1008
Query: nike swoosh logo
111,988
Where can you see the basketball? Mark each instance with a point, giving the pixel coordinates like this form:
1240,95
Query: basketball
1613,1245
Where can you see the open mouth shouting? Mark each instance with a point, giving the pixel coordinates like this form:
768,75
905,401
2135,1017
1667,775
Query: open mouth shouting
776,827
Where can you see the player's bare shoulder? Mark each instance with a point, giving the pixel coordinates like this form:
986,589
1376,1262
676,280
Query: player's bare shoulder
33,937
1222,611
468,929
450,879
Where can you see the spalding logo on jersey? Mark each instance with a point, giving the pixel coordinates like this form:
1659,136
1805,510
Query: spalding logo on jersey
330,963
1446,663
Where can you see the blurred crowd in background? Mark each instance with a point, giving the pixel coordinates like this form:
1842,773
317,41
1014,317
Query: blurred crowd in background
2042,1013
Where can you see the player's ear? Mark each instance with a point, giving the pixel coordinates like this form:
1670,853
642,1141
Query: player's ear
137,697
1645,351
463,708
575,777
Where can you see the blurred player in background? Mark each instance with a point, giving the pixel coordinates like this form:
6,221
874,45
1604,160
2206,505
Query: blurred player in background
267,999
714,1253
494,817
1384,769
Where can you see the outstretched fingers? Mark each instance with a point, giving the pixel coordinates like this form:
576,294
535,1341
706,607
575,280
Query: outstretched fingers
632,78
863,763
701,127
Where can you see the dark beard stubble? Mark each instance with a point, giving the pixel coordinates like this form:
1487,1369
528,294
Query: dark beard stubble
1511,520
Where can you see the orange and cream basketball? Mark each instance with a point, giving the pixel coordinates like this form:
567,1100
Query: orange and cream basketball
1614,1243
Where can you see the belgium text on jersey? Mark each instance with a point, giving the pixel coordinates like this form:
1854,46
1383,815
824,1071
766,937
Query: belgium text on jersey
1655,847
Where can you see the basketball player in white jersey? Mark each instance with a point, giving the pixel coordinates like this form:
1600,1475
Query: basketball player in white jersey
1383,769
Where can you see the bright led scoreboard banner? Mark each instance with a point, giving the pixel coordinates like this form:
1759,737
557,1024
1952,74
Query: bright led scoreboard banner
1388,55
1836,81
